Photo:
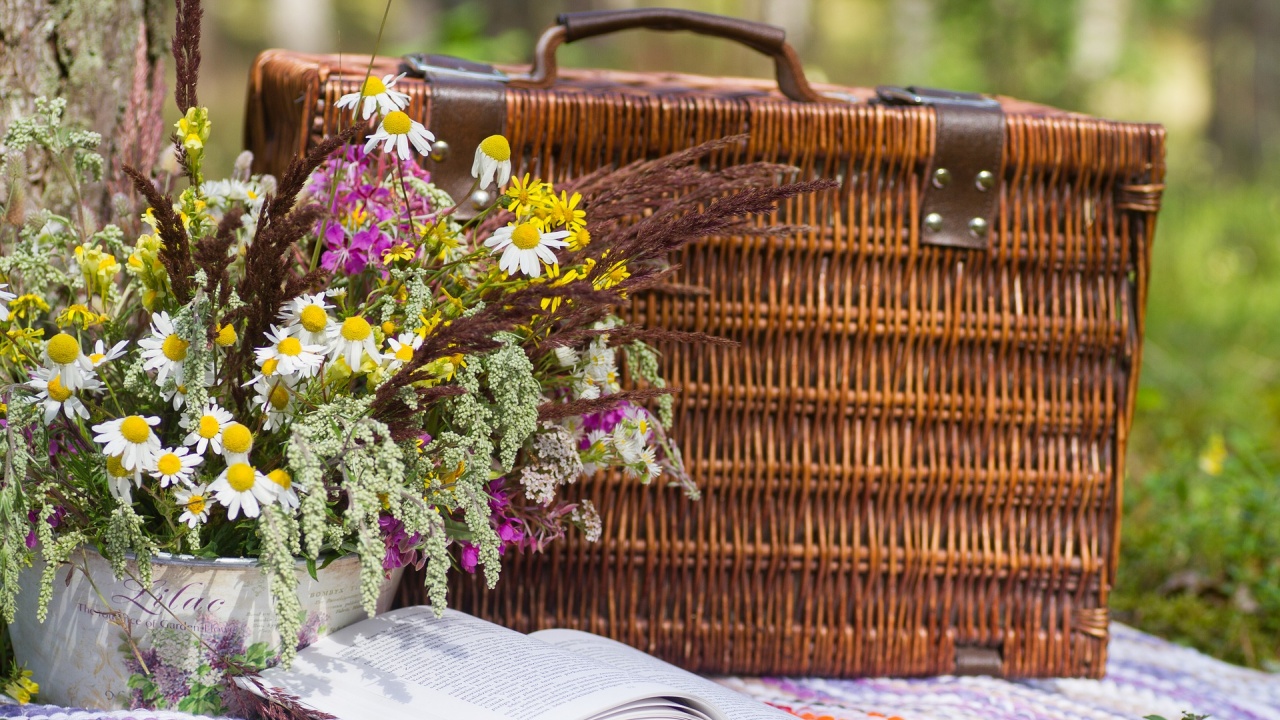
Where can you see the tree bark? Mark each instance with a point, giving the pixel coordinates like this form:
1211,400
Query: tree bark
103,57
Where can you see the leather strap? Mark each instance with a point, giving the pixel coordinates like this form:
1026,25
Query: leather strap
468,104
962,185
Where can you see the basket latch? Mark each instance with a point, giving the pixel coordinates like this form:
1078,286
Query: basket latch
467,104
961,189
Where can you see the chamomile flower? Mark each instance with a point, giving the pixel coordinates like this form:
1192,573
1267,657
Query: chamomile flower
242,487
176,394
237,443
291,355
306,317
398,130
62,353
402,348
206,432
493,157
377,94
121,480
164,351
285,492
195,503
55,396
130,438
275,398
101,355
523,246
351,340
175,465
5,297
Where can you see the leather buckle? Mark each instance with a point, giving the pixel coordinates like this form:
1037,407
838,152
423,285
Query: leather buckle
962,184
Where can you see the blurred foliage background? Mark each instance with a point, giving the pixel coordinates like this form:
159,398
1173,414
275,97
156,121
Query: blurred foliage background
1201,538
1201,533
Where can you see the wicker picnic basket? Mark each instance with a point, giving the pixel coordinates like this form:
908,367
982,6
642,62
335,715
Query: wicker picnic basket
912,464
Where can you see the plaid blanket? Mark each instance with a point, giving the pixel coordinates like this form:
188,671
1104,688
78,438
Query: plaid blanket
1145,676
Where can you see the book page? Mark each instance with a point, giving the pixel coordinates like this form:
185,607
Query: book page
451,667
719,701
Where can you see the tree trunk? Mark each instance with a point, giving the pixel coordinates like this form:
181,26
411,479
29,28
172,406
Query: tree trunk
1244,37
104,58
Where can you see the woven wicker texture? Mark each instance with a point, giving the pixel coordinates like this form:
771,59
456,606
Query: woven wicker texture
915,450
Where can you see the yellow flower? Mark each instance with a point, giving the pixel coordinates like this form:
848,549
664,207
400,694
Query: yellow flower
23,342
22,688
564,211
80,316
144,264
615,275
98,267
403,251
1214,455
24,303
578,239
526,197
226,335
429,324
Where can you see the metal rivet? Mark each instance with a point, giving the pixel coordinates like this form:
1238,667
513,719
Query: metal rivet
481,199
978,227
941,177
933,221
439,151
986,180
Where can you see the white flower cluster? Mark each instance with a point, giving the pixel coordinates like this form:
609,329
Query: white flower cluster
558,463
596,372
628,445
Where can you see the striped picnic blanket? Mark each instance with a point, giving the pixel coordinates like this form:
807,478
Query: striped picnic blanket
1145,676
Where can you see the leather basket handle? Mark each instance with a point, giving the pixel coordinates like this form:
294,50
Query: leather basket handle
767,39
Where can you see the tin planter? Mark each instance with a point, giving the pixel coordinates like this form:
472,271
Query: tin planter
197,614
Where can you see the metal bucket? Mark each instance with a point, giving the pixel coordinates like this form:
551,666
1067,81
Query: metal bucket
82,656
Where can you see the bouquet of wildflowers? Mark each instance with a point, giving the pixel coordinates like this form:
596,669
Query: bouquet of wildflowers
329,362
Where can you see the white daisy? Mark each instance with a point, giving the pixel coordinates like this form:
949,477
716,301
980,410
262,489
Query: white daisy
101,355
5,297
566,356
195,502
376,94
275,398
307,318
241,486
164,350
398,130
523,246
174,466
121,480
56,396
493,156
285,492
207,432
402,348
237,443
130,438
352,339
62,353
291,356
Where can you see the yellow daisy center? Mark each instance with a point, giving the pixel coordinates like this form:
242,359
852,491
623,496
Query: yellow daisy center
290,346
226,336
281,478
279,397
355,329
195,504
241,477
56,389
96,358
496,147
397,123
526,236
236,438
209,427
373,86
269,367
63,349
314,318
169,464
388,328
115,468
135,429
175,348
405,353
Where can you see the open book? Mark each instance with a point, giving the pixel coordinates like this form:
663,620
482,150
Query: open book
409,663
